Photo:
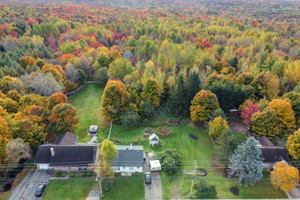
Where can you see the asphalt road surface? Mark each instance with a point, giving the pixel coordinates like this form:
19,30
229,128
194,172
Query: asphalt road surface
41,176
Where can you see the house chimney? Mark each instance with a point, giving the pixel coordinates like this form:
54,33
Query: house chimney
52,152
130,145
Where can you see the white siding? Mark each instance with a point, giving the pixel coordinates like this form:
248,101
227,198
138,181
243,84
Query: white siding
43,166
128,169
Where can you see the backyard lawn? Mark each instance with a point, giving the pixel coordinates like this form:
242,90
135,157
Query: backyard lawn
72,189
128,187
88,102
190,149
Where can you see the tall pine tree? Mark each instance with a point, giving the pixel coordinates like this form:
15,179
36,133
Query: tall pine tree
245,163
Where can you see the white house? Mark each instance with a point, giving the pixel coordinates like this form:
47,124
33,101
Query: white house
130,159
153,139
155,166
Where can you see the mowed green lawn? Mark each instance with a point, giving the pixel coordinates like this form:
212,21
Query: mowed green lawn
190,150
131,187
72,189
87,102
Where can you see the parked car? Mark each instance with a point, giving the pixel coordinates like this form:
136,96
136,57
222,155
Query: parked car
148,178
40,189
93,130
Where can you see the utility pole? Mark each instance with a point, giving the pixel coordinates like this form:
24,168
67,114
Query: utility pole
191,191
99,178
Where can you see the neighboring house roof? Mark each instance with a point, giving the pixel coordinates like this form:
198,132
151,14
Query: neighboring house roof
274,154
69,155
67,139
153,137
129,156
264,141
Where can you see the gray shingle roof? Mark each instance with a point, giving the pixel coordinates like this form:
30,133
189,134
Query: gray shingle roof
69,155
67,139
129,157
264,141
274,154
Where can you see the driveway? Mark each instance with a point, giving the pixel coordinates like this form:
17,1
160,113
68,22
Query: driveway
40,176
295,193
21,187
153,190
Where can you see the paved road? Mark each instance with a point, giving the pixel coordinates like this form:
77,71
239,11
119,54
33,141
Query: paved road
153,190
21,187
40,176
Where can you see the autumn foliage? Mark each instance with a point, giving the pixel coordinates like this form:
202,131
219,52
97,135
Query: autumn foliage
249,109
203,104
293,145
5,137
63,118
217,126
284,177
113,100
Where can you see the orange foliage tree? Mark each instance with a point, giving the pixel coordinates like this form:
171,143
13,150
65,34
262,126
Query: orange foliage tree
56,71
63,119
284,177
5,137
203,104
55,99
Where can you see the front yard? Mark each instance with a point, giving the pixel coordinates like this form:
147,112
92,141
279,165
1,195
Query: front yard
71,189
190,149
131,187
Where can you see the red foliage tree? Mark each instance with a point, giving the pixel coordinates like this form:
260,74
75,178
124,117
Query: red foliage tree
249,109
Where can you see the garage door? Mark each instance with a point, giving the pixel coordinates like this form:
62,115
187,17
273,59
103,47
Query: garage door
43,166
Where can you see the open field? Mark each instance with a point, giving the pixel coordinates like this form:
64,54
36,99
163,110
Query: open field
190,150
72,189
87,102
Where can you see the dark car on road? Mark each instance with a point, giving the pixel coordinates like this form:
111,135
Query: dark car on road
147,178
40,189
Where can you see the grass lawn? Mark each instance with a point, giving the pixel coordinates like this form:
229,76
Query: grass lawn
72,189
88,102
131,187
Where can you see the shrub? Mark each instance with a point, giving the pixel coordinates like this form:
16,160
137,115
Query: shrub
106,185
148,132
169,160
64,174
83,174
89,173
204,190
72,174
164,131
143,140
135,140
58,174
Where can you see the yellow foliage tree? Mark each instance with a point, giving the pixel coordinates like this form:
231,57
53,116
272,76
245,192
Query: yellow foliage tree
217,126
285,113
284,177
293,145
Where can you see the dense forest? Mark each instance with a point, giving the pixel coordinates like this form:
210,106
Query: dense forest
153,60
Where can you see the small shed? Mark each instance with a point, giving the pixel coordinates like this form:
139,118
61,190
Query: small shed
155,166
153,139
234,112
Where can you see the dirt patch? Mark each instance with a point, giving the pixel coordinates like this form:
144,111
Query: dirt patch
235,191
194,137
218,169
201,172
238,126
